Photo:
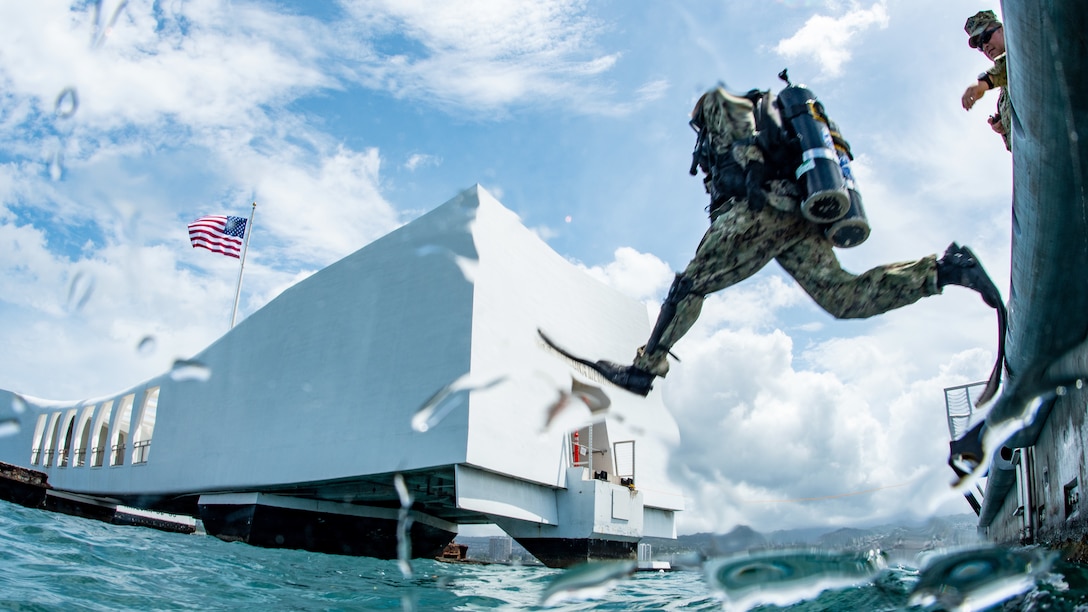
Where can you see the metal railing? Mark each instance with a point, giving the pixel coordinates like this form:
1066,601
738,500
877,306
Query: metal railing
140,451
623,454
960,407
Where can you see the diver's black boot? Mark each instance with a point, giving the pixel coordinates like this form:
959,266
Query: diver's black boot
960,266
635,380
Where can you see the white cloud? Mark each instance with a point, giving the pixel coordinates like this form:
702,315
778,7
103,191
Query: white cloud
484,55
320,214
32,275
652,90
418,160
216,72
638,275
752,304
829,40
130,293
767,443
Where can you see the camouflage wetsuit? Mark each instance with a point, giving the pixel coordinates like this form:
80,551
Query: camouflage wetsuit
742,239
998,77
740,242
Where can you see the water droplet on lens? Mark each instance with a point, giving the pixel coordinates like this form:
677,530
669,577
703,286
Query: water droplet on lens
56,166
9,427
100,33
146,346
978,578
190,369
80,290
467,265
586,581
404,524
583,405
593,397
447,399
67,103
402,491
429,249
786,577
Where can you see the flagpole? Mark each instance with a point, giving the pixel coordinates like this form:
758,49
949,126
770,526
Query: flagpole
245,249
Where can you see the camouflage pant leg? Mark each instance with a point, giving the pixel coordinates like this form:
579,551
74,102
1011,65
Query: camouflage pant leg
738,244
812,262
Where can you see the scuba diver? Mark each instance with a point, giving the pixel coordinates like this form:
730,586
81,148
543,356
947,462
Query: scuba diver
777,171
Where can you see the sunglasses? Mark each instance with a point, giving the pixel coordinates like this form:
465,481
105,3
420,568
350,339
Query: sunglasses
985,37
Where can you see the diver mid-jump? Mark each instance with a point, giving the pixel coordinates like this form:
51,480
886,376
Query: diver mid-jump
777,171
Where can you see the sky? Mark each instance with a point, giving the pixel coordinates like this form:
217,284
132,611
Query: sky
122,122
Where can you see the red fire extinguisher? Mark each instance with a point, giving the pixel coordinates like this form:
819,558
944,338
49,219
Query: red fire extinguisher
576,449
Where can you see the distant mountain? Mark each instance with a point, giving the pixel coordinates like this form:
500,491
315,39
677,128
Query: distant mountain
844,538
741,538
903,539
899,540
797,537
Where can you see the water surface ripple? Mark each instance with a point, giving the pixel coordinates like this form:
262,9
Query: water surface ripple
50,561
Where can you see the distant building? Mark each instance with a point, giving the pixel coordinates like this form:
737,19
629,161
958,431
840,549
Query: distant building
455,552
499,548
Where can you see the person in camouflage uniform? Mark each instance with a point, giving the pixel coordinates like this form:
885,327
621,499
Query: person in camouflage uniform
986,34
754,219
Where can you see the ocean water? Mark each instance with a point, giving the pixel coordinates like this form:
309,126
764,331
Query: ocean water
50,561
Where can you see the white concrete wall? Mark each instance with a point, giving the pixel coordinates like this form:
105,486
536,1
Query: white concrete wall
521,285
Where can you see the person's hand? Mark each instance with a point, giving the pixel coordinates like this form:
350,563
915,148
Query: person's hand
996,125
973,93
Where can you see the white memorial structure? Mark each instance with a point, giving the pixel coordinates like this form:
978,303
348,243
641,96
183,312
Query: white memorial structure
405,381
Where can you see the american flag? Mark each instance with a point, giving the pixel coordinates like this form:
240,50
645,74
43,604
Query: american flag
219,233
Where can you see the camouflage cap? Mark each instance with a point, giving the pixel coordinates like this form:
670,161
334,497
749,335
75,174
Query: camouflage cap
977,24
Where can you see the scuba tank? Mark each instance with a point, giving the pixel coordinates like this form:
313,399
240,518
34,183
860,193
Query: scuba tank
853,228
820,173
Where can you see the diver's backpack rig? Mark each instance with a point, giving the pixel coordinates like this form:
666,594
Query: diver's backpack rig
798,141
